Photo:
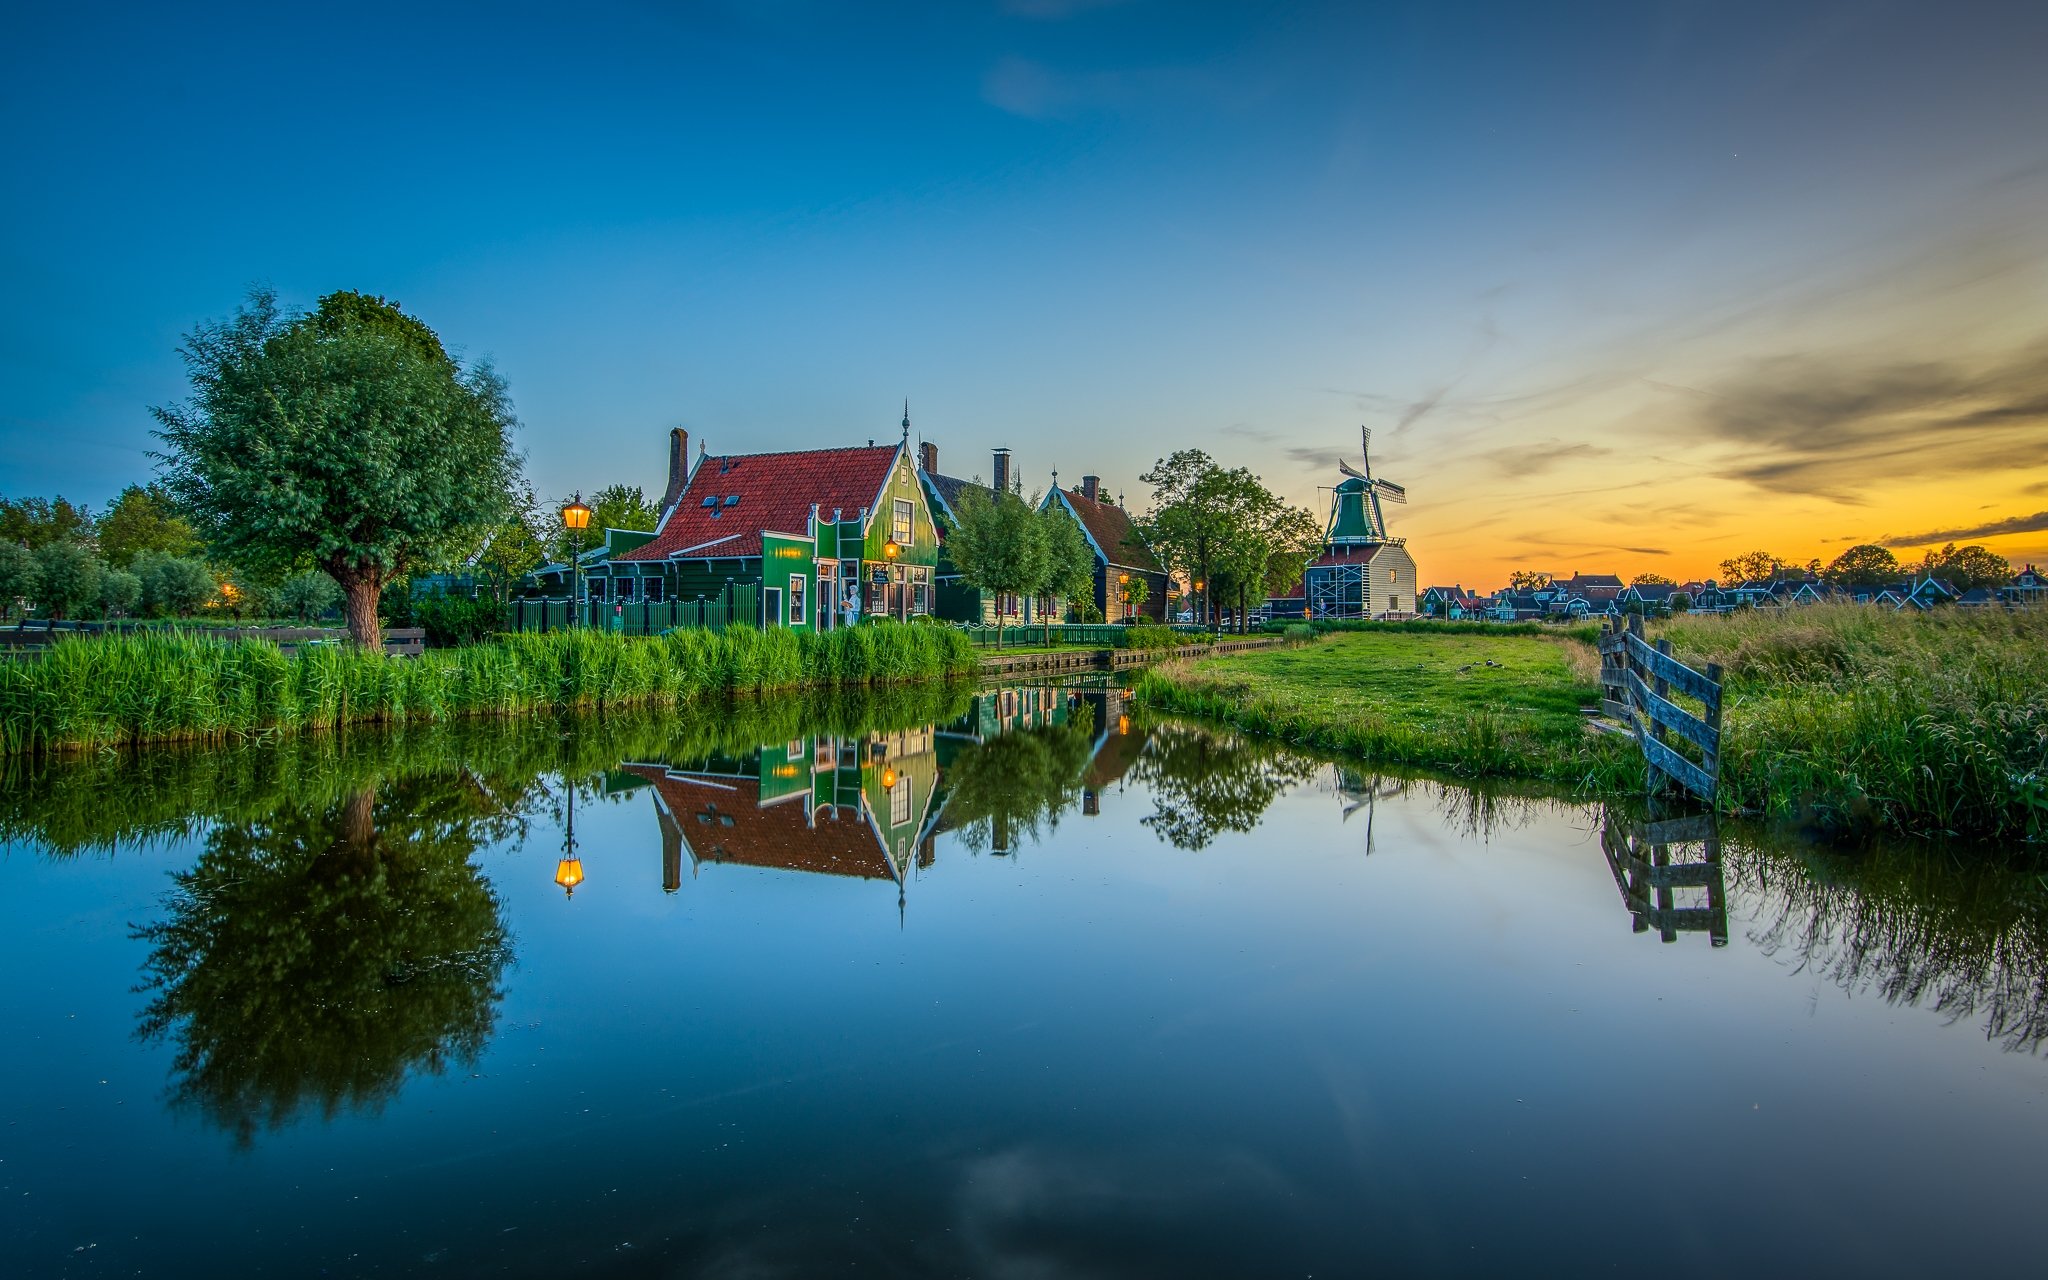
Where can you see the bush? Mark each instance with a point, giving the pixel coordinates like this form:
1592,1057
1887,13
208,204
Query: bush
1299,632
1150,635
120,592
70,578
173,586
308,595
454,620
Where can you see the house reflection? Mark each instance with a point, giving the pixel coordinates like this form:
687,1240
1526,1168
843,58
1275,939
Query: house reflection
830,804
870,806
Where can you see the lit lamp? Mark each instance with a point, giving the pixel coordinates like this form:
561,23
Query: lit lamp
888,778
569,871
890,550
575,518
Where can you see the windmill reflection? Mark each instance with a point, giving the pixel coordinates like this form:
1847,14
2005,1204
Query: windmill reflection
1358,791
1655,858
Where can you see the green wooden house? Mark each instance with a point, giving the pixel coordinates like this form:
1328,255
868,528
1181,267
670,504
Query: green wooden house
810,539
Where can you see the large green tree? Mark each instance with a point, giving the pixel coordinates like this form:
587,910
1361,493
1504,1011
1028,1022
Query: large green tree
69,576
173,586
998,544
1751,566
19,576
1069,563
1222,527
346,439
515,546
35,523
144,519
1968,567
1868,565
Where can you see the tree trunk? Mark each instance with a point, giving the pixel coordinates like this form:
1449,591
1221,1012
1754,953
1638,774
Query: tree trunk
360,596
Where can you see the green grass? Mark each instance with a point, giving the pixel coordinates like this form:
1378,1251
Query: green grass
1406,698
1843,717
1847,717
178,686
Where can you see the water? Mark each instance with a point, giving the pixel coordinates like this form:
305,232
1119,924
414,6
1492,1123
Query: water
1012,986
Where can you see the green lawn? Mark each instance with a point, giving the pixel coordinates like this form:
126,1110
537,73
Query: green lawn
1506,705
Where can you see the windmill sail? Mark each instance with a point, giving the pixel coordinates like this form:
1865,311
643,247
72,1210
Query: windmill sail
1345,467
1389,490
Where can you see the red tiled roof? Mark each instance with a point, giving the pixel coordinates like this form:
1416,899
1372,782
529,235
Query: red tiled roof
776,492
1342,554
837,843
1111,528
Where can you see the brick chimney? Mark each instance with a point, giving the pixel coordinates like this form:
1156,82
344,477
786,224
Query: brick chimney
678,466
1091,488
928,458
1002,480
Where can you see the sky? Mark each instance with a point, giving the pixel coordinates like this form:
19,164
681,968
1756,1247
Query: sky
1616,287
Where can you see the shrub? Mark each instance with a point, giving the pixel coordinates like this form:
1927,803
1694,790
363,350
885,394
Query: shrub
70,578
1149,635
173,586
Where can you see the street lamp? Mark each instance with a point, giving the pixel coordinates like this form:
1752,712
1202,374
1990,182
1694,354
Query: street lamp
575,518
1199,584
569,871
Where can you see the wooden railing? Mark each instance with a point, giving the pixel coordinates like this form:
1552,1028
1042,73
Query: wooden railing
1637,681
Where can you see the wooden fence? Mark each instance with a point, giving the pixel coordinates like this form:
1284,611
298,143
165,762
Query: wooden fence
1650,859
1637,680
739,604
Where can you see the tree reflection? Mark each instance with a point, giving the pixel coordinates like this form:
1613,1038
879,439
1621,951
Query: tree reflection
312,959
1968,940
1206,781
1017,785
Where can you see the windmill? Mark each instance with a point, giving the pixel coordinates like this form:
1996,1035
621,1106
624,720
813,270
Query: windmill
1375,491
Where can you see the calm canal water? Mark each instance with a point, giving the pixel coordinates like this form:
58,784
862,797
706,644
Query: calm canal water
1006,983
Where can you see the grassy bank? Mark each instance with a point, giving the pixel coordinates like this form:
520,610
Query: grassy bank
1841,717
1466,703
168,687
1846,716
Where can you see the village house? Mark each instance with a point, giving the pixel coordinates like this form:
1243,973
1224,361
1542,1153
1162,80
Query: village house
956,600
809,539
1121,555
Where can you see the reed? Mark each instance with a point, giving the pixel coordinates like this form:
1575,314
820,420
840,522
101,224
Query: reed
169,686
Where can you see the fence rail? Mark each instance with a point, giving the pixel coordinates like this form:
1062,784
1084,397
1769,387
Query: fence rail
1637,680
739,604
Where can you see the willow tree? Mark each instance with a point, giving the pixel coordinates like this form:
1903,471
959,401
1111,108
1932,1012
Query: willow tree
346,439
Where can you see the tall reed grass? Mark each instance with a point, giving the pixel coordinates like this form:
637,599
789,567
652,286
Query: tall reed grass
1846,716
181,686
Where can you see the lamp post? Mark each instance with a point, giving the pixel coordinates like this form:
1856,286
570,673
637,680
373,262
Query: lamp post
890,550
569,871
1199,585
1123,585
575,518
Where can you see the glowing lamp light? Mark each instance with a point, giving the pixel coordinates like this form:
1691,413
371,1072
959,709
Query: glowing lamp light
569,874
1124,579
888,778
575,515
890,550
1123,725
1199,584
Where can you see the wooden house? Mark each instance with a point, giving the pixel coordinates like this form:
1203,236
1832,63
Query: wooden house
1121,554
956,600
816,538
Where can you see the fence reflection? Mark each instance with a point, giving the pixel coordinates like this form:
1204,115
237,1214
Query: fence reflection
1669,872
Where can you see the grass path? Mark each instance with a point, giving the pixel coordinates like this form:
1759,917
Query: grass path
1472,704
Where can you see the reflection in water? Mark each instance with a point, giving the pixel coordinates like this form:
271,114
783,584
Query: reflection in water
336,933
314,958
1207,781
1668,869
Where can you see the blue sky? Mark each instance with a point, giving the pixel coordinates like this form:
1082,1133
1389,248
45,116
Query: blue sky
1636,284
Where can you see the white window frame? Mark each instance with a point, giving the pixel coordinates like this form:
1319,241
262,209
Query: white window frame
796,599
904,517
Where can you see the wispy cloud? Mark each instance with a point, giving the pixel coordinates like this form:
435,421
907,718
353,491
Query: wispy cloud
2036,523
1536,459
1831,426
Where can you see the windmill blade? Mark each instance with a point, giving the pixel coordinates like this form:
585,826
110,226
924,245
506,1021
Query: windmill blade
1345,467
1390,491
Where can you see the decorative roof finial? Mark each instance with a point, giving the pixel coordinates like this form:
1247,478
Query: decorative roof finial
906,418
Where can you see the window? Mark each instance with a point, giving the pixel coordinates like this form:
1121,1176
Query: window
901,530
921,590
899,802
796,599
771,600
654,590
626,588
